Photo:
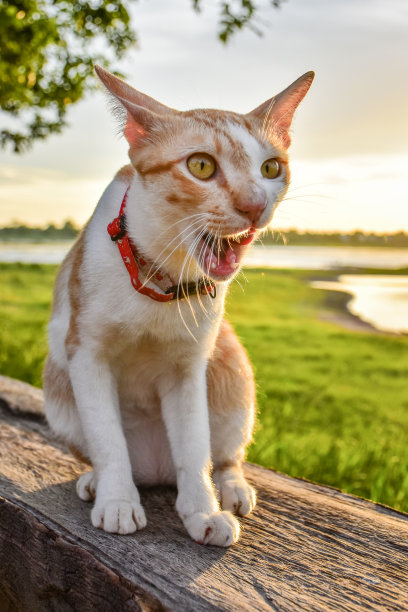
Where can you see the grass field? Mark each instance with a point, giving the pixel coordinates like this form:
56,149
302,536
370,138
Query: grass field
333,404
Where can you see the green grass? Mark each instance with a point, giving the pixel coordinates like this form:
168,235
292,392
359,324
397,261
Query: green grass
333,404
25,303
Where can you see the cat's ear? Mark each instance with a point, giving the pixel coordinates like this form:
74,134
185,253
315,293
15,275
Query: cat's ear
139,111
277,113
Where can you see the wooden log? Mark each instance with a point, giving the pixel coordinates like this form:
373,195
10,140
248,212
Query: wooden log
306,547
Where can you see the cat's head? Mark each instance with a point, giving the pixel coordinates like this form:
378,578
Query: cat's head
214,178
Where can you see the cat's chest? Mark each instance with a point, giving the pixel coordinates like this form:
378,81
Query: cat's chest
138,370
145,366
172,329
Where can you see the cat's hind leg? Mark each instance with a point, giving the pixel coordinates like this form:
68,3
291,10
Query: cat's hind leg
235,493
231,400
63,418
86,486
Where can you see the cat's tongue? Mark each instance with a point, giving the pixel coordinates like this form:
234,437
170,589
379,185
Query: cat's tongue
223,263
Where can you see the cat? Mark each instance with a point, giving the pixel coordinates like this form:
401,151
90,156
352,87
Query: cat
145,379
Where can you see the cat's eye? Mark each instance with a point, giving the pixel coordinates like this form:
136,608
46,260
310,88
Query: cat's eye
201,165
270,168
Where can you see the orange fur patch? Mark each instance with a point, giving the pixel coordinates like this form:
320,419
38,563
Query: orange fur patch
58,387
226,465
57,383
230,380
74,288
59,286
189,192
144,169
79,455
125,174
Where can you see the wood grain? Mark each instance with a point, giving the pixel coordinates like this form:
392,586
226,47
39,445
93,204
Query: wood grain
306,547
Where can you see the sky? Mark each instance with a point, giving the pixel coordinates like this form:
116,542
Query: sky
349,157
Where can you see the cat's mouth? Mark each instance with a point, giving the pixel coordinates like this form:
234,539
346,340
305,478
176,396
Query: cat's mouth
220,257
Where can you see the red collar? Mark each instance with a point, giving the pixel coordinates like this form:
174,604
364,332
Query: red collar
130,256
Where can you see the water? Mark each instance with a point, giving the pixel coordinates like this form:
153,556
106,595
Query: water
47,252
306,258
379,300
327,258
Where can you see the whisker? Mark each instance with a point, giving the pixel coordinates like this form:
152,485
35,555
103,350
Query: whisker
207,245
184,323
198,218
277,234
216,239
180,282
237,281
201,257
243,274
202,260
206,278
192,224
152,271
203,308
188,257
181,220
307,185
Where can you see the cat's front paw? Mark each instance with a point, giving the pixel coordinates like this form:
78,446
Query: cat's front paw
121,516
217,528
237,496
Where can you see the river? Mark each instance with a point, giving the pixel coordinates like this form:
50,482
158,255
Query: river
377,299
306,258
381,300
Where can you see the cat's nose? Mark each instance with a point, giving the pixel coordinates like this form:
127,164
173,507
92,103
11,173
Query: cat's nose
251,209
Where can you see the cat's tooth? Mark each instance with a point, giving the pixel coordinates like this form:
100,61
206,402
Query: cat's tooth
212,260
231,258
234,265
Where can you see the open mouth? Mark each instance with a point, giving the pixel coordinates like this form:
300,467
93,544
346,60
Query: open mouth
221,257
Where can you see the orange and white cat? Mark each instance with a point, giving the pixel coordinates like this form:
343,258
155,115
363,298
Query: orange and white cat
154,392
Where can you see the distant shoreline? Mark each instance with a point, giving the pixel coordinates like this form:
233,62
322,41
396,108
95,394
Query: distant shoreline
337,311
260,256
336,307
276,237
65,240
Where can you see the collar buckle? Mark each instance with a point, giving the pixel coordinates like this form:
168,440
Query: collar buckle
117,229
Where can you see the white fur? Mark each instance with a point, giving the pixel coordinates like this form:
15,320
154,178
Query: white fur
274,189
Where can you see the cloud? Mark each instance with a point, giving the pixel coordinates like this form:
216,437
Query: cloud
350,134
31,175
345,194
